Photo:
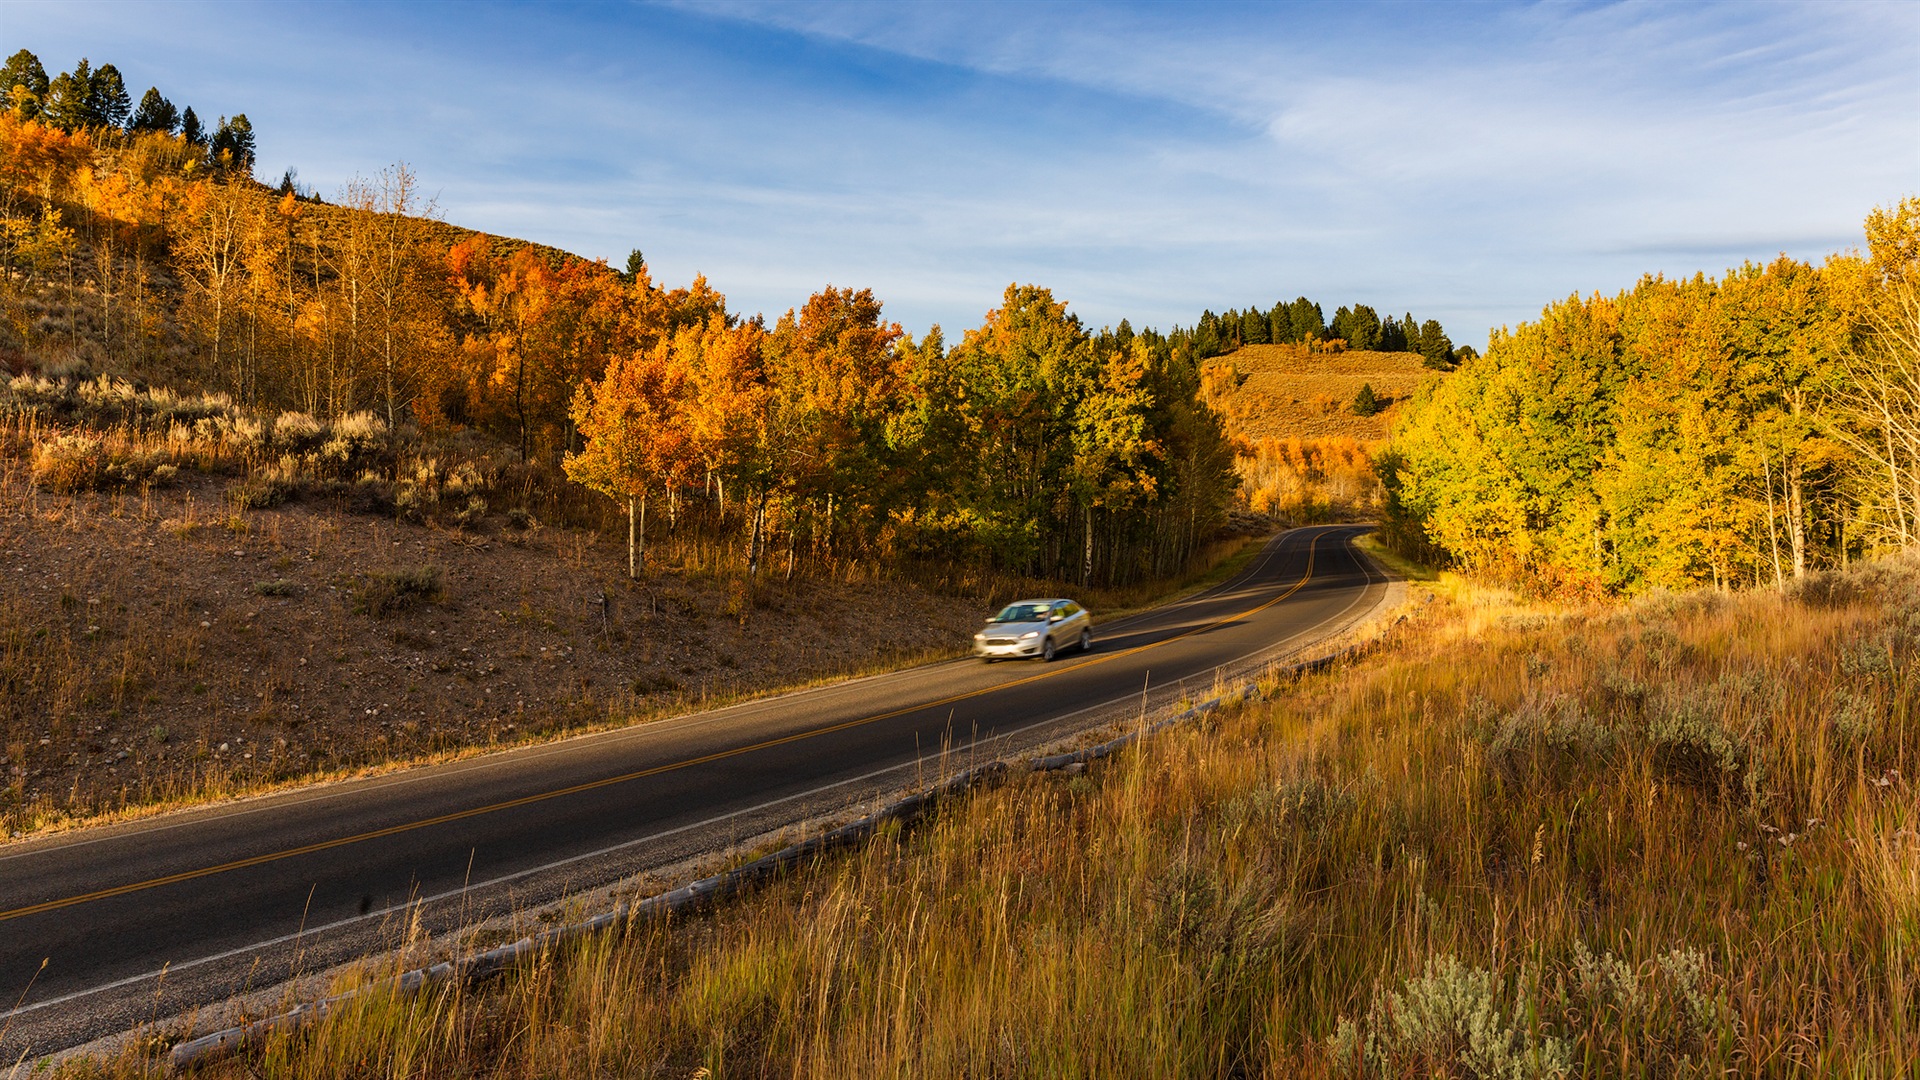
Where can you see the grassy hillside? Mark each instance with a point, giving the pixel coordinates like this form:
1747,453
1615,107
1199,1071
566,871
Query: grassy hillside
1667,839
1303,452
1289,392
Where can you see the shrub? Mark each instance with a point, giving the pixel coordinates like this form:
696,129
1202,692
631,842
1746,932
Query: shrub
276,587
69,463
370,495
262,491
1691,746
394,591
1670,1009
298,432
1548,742
1449,1021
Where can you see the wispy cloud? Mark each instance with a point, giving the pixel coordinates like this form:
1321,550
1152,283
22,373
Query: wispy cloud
1146,160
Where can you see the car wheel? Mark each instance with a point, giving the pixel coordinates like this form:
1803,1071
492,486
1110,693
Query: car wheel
1086,641
1046,650
986,659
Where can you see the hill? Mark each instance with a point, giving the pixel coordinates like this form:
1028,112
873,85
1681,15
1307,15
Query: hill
1293,392
1303,452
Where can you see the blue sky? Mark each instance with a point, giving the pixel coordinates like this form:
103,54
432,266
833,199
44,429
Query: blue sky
1464,162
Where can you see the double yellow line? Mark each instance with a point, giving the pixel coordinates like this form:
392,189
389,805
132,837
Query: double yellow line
641,774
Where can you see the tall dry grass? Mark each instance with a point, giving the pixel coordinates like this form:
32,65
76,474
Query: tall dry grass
1669,839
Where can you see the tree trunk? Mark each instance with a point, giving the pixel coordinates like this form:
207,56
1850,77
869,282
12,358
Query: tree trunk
631,558
1086,562
1796,519
753,538
793,538
1773,522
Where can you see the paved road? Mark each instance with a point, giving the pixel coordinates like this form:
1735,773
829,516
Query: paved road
105,928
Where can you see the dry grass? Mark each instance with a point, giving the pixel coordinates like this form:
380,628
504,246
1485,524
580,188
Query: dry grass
1675,838
1304,456
1287,391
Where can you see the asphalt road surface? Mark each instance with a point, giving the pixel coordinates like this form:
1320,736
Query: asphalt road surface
103,929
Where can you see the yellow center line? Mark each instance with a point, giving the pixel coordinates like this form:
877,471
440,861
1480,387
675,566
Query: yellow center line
718,755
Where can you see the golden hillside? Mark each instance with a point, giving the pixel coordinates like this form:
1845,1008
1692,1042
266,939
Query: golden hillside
1289,391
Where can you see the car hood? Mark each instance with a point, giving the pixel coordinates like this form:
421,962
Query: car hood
1013,629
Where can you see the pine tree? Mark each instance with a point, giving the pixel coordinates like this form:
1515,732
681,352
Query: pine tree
1363,328
1280,324
1393,336
24,74
68,104
1364,403
1253,328
233,145
1435,346
191,130
155,114
107,100
636,265
1308,323
1342,324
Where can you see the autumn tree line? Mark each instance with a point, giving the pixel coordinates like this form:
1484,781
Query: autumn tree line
1742,430
95,100
1032,445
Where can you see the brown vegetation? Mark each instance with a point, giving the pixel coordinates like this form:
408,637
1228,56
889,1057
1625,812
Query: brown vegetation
1293,392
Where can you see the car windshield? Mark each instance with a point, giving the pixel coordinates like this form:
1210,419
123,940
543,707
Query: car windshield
1021,613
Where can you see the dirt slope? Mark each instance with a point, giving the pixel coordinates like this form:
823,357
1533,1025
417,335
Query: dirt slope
159,644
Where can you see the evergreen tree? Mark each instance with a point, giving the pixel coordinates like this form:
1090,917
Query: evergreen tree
1393,336
69,101
155,114
1280,324
23,72
233,145
1253,328
1435,346
107,100
1364,403
1123,336
1363,328
636,265
1308,323
191,130
1342,324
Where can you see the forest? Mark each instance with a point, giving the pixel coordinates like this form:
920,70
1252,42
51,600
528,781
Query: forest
1710,431
1303,321
134,275
1749,429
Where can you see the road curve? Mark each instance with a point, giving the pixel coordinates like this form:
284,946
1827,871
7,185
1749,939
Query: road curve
105,928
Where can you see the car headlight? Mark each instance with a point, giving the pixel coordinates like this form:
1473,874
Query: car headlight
1029,634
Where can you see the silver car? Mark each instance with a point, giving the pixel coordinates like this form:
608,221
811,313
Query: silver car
1034,628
